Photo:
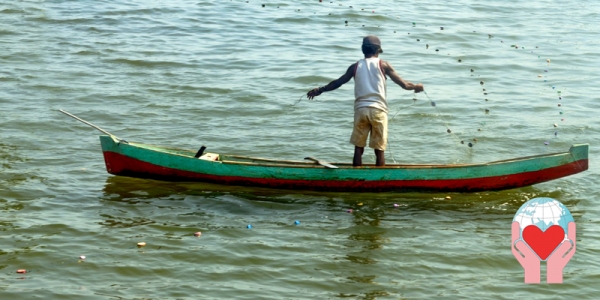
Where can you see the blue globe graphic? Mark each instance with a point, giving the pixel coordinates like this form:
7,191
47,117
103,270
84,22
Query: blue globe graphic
543,213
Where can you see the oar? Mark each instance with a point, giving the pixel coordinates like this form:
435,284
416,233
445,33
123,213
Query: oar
322,163
92,125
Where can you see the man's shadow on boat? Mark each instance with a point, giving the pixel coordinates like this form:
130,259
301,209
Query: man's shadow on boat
134,190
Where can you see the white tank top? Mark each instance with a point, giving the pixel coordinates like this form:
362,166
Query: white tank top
369,84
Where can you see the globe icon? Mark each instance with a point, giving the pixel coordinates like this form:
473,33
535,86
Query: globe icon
543,213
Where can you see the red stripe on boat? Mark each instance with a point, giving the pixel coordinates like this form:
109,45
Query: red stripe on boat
118,164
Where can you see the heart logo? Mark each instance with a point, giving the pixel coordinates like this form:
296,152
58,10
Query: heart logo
543,242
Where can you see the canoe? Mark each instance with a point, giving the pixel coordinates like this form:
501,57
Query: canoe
164,163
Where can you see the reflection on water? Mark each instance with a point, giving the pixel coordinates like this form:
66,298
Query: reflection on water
368,208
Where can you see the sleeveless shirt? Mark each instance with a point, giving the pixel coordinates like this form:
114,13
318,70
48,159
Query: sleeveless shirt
369,84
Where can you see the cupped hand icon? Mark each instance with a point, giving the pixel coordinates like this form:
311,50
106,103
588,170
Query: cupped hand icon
526,257
558,260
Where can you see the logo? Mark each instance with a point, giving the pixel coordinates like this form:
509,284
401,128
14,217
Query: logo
543,229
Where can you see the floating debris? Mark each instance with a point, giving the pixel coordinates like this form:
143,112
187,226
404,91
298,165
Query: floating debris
296,222
82,257
21,271
449,131
249,226
141,244
197,234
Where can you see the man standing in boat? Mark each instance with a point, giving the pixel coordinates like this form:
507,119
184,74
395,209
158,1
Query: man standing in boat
370,105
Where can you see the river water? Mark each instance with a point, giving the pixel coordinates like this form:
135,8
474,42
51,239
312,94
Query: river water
231,75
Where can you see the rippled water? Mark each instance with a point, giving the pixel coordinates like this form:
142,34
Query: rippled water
231,75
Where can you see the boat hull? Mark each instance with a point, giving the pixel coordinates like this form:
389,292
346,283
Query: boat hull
145,161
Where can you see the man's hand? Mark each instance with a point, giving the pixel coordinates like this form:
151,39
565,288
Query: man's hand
313,93
419,88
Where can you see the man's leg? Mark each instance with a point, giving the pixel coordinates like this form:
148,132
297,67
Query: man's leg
380,155
358,152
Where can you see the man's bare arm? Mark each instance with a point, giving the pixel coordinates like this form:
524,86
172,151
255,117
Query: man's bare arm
391,73
334,84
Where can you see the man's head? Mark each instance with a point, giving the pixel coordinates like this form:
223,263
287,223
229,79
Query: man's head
371,45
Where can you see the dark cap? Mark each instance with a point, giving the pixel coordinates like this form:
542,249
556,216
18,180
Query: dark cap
372,40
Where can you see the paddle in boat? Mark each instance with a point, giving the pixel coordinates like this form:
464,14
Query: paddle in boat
164,163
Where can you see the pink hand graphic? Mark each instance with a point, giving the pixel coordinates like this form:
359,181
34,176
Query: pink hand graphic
528,260
556,262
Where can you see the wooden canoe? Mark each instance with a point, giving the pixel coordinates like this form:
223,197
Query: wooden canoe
149,161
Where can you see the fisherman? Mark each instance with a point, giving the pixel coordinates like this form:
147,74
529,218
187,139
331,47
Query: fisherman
370,104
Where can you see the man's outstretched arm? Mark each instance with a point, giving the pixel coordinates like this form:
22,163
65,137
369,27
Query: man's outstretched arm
334,84
391,73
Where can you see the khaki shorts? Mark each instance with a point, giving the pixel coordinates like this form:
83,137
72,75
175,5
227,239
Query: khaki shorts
370,120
